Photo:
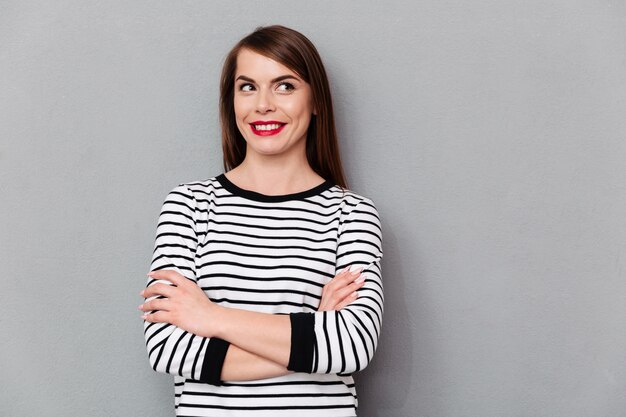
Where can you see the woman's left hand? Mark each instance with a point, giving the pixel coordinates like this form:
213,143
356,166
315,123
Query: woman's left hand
341,290
185,304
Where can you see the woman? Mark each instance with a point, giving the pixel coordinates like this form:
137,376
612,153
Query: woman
265,292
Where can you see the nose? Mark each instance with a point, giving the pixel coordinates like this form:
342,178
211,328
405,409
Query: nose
264,102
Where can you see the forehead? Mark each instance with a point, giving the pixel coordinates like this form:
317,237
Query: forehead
260,67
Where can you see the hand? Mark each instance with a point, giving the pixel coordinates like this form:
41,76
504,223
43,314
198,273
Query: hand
185,304
341,290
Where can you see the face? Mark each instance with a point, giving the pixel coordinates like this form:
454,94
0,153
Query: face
273,106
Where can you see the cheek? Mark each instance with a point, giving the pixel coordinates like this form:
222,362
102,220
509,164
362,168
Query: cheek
300,110
240,115
240,108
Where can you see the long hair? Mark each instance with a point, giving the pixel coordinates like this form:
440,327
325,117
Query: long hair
296,52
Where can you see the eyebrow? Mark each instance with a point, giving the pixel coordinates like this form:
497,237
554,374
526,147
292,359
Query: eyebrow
275,80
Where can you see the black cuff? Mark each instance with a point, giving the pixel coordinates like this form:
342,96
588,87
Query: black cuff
214,361
302,341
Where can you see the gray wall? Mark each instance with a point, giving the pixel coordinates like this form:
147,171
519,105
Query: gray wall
491,135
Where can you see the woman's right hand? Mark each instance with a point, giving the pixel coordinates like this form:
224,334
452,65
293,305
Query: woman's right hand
341,290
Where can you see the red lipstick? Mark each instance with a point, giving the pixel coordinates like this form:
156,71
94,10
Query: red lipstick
266,128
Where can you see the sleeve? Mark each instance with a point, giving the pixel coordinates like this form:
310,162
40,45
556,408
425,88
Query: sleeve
170,349
344,341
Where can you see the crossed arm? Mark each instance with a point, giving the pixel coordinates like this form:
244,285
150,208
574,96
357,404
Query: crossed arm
188,335
260,343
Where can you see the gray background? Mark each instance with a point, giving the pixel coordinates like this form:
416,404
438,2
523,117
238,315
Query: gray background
490,134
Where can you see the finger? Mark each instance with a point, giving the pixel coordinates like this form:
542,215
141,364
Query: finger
346,301
344,281
168,274
166,290
343,271
356,271
161,304
351,274
360,279
344,292
340,280
156,317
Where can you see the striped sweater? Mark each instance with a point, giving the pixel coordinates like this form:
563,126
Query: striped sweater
270,254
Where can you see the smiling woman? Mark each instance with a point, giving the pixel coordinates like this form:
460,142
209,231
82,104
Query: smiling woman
275,102
265,293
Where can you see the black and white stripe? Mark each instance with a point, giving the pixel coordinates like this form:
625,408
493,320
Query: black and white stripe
270,254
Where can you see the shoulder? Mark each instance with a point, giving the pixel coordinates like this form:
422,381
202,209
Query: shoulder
357,208
359,217
354,201
191,201
202,190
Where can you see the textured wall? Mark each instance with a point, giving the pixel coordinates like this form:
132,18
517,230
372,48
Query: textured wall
490,134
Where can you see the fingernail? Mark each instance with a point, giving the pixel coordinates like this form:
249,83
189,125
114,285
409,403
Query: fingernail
356,271
140,307
141,292
144,316
354,294
346,268
360,279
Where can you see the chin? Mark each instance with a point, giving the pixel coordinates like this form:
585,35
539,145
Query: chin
269,146
270,152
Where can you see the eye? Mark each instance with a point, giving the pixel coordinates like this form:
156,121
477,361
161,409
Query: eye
285,87
246,88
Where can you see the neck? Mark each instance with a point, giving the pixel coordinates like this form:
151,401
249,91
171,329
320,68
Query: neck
275,174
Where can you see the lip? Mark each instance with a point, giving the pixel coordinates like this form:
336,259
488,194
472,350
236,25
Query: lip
265,123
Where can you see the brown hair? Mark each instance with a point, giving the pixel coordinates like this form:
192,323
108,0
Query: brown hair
293,50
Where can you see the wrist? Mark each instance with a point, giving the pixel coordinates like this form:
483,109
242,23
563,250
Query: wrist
218,317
